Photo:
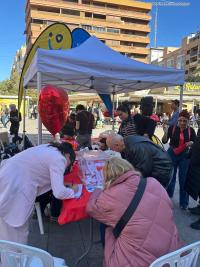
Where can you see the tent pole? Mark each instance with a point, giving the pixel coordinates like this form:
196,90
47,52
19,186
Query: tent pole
24,118
181,98
156,105
117,101
113,109
39,85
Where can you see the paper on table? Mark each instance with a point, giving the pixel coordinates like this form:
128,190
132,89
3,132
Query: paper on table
79,192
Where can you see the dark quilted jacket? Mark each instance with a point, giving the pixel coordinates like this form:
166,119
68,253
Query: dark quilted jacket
150,159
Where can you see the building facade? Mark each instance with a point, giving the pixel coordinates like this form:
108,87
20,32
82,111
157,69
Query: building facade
19,60
122,25
192,64
187,56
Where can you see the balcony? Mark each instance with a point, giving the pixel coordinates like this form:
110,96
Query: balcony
86,21
36,29
120,37
130,49
193,53
193,63
92,8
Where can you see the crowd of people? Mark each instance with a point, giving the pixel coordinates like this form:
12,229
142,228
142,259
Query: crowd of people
150,231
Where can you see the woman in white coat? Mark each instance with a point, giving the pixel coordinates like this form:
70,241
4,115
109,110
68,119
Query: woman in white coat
26,176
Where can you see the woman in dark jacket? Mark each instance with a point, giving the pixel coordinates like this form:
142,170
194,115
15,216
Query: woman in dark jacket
192,185
145,125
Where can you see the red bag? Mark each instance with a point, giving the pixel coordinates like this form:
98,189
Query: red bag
74,209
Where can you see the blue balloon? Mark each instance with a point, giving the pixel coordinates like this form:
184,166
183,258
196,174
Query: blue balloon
79,36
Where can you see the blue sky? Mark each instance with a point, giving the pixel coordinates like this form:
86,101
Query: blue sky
12,21
173,24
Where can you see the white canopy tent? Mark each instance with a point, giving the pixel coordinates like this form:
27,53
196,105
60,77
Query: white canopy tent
94,67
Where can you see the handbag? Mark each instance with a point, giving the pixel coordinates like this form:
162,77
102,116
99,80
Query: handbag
131,208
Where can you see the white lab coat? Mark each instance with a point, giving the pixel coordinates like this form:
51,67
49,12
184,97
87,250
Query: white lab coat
28,175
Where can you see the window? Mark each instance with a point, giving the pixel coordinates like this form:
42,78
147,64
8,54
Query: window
193,59
71,12
112,6
73,1
170,63
113,43
99,4
137,21
98,29
180,62
113,30
99,16
140,45
47,9
138,56
87,27
88,15
37,21
85,2
194,51
126,43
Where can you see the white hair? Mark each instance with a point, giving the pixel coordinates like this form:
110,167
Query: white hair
113,138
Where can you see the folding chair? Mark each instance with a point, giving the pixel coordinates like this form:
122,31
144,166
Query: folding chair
17,255
183,257
39,217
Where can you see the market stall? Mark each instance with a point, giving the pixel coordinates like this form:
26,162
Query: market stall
94,67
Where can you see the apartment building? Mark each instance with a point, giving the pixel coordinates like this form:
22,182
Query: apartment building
19,60
192,64
187,56
122,25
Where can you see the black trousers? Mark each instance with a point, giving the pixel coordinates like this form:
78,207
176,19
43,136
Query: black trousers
55,204
14,129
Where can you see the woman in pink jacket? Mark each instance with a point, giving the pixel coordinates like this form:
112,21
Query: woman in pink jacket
150,232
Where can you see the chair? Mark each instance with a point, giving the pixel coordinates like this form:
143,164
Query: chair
39,217
184,257
17,255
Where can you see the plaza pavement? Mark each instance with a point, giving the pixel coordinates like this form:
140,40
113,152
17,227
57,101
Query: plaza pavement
71,240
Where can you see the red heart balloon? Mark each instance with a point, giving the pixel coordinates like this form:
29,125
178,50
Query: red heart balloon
53,107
